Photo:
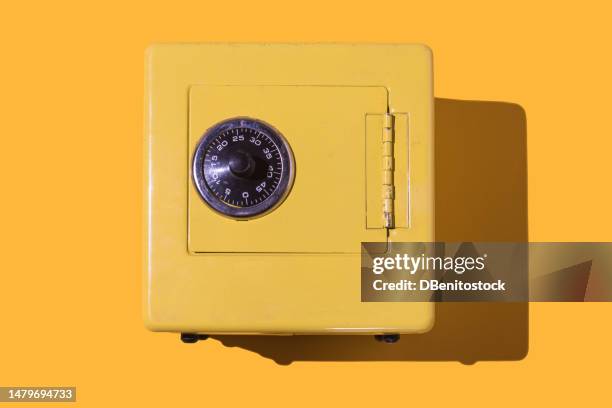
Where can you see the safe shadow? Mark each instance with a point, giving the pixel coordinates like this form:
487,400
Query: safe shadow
481,195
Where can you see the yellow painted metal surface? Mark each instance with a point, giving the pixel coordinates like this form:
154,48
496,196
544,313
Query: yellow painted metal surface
297,269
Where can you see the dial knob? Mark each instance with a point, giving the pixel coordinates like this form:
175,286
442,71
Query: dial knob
242,164
243,168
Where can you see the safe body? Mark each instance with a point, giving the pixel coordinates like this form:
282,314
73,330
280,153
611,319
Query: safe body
296,269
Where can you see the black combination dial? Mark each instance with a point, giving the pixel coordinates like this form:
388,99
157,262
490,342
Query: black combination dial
243,167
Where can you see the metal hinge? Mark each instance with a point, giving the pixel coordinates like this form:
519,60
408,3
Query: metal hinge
388,189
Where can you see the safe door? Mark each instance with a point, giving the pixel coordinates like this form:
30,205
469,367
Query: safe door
283,168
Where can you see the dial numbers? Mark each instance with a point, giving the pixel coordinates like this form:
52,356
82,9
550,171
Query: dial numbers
242,191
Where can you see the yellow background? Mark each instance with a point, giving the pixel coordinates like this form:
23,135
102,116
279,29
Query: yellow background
71,103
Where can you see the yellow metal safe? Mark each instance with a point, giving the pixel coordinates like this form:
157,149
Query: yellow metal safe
266,166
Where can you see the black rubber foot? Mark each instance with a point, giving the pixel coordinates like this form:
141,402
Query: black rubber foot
387,338
192,337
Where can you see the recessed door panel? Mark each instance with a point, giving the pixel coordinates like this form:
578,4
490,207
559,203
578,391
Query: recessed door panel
322,205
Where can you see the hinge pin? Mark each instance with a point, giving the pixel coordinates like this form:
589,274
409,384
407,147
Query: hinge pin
388,193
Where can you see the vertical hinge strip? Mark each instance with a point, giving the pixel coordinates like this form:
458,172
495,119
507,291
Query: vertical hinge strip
388,193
